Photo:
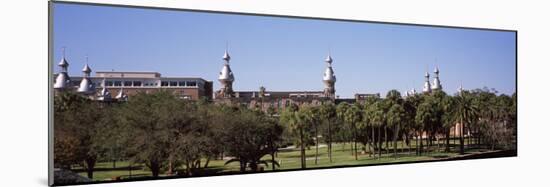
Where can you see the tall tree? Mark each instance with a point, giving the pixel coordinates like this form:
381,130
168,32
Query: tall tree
352,117
297,124
328,113
466,113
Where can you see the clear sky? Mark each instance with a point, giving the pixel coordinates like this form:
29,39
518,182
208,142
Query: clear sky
283,54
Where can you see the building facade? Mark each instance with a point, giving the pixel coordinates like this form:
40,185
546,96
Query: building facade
119,85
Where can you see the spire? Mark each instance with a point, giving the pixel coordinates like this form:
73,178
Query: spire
87,70
427,87
86,85
329,79
437,83
329,59
62,80
226,56
226,77
63,63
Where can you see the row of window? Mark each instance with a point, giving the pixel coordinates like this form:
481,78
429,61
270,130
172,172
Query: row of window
178,83
162,83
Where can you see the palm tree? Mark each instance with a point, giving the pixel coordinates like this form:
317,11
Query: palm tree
465,113
448,104
410,105
352,117
396,116
424,118
311,115
328,112
341,110
377,120
295,120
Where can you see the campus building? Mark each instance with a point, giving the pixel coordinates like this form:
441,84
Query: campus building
119,85
264,99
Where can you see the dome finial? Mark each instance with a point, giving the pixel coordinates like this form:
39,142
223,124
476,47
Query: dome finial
87,68
226,56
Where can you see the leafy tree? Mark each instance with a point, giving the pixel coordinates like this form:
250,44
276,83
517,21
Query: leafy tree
78,130
149,119
249,138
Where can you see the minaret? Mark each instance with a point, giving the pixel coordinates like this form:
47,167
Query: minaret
437,83
121,96
226,78
413,91
329,78
460,89
62,80
104,95
427,88
86,86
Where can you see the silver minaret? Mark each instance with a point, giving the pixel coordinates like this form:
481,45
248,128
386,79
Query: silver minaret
86,86
329,78
62,80
104,95
226,77
437,83
427,87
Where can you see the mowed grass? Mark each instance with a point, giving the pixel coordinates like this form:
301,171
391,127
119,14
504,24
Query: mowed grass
289,158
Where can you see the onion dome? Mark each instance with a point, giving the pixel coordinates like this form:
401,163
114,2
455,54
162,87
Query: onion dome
86,85
427,87
62,80
121,96
329,59
226,56
329,72
87,70
437,83
226,75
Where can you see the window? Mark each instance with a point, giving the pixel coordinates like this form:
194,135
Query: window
191,83
181,83
173,83
109,83
164,83
127,83
118,83
137,83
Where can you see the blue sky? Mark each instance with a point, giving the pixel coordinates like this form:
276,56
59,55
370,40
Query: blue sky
282,53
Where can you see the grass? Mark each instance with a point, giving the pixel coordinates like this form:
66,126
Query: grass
290,159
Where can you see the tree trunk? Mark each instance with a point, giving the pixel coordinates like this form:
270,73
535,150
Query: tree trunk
395,133
373,142
207,162
386,140
302,149
461,136
421,145
329,142
155,168
316,145
447,136
90,164
379,143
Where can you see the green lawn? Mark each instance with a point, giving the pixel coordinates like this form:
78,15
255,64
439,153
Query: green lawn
290,159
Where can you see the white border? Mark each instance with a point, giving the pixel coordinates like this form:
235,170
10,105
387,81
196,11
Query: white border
23,119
